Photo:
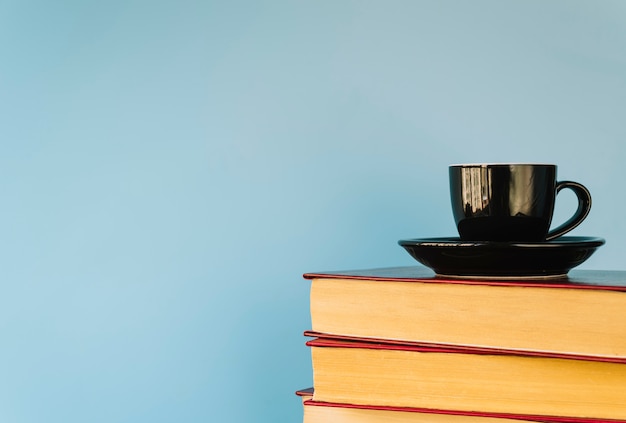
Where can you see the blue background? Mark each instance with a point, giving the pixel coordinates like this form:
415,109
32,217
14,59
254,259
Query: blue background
169,169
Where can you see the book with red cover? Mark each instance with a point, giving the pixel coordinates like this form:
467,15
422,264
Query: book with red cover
614,280
427,414
580,315
422,379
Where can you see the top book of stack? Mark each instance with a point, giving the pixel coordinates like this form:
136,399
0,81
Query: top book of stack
579,316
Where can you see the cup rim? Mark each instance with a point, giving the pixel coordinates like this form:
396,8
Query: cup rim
485,165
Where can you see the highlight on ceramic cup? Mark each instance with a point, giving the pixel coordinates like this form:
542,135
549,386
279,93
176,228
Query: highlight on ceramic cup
511,202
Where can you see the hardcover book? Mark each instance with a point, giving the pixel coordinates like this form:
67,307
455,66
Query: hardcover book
582,315
328,412
322,412
395,376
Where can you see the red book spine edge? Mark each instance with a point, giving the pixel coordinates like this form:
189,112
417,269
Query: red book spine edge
329,340
527,417
585,279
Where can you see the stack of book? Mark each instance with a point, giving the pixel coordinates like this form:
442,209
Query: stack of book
404,345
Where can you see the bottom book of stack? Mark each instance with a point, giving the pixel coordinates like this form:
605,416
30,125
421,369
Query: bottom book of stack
324,412
365,381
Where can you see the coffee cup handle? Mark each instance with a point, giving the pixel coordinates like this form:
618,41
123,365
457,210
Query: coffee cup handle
584,206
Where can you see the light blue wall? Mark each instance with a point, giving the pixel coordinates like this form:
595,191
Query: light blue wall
169,169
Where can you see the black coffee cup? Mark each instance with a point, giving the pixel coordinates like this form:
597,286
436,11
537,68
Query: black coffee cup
510,202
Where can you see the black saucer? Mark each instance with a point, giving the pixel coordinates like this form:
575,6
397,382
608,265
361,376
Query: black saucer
456,258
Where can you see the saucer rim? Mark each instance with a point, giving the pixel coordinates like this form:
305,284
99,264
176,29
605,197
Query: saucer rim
563,241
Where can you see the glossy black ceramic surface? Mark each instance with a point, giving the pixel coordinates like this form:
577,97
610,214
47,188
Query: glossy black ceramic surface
510,202
456,258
